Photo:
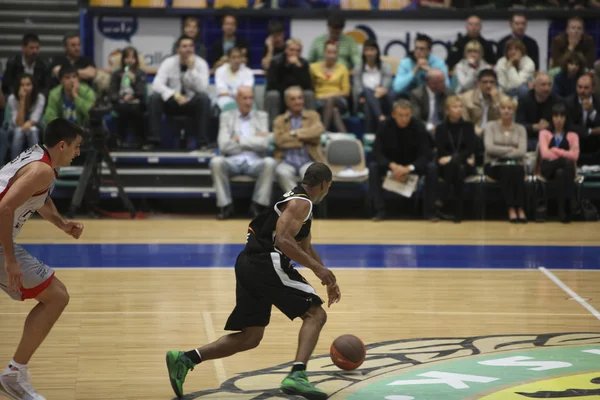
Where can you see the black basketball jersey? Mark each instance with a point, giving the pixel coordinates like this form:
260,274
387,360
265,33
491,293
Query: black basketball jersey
261,232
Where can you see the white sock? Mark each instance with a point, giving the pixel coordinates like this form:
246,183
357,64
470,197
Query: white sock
17,365
199,355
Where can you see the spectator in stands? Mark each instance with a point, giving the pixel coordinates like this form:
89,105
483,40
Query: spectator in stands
456,142
435,3
28,62
274,43
571,68
429,102
518,26
505,147
231,76
515,69
372,85
297,140
191,28
221,47
473,33
286,71
573,39
401,147
482,104
86,69
180,88
71,100
128,97
559,151
349,55
469,67
584,114
26,108
243,142
413,69
535,108
331,81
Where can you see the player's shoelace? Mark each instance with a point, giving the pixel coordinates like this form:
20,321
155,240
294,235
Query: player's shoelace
182,367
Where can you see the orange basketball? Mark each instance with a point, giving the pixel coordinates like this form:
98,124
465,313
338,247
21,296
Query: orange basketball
348,352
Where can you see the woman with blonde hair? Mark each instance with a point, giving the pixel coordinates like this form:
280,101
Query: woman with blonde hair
469,67
455,141
505,147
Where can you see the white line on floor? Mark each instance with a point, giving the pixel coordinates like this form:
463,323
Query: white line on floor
211,335
570,292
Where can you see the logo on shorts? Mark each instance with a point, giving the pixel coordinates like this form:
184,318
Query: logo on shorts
557,366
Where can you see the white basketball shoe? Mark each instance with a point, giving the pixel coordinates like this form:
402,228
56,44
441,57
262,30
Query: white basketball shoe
16,385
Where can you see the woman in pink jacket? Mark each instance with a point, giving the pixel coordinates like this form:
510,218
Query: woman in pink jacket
559,150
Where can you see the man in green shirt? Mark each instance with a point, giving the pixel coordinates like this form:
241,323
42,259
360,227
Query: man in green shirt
71,99
347,49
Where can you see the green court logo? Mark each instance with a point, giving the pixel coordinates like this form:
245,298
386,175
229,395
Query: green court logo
555,366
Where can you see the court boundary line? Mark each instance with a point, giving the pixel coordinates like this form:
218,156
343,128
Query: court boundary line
570,292
535,269
212,337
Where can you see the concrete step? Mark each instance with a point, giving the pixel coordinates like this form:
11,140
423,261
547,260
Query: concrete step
46,5
4,49
14,39
38,17
42,28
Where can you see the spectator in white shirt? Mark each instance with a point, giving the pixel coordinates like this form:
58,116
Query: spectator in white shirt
230,76
180,88
243,142
469,67
515,69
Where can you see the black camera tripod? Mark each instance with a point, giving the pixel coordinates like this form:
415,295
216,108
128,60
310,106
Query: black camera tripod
91,177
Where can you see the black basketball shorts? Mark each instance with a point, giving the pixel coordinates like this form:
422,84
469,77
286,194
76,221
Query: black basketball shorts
264,280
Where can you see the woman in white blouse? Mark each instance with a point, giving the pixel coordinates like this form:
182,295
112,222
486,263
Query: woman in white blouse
230,76
468,68
515,69
26,107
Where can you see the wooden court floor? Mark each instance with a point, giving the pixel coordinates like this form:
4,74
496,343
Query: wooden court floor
111,340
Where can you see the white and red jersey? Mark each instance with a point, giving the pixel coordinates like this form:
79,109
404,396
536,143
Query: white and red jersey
27,209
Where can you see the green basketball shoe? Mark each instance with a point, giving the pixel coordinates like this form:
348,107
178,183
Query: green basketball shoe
178,366
297,383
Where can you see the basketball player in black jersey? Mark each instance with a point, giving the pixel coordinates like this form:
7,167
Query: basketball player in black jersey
265,277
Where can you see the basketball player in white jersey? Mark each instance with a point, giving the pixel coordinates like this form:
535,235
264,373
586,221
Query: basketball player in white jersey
25,187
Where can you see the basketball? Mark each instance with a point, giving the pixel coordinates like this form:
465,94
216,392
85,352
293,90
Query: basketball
348,352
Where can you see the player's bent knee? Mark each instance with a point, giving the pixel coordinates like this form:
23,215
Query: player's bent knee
316,313
55,294
253,337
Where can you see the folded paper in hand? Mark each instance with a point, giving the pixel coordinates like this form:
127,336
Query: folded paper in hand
405,188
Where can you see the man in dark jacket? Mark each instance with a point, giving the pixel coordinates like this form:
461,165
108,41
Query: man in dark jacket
287,70
30,62
457,52
535,108
402,147
584,115
518,25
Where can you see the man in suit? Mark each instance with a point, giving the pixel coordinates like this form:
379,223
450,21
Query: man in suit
429,102
243,142
584,113
297,139
29,61
402,147
473,33
535,108
518,25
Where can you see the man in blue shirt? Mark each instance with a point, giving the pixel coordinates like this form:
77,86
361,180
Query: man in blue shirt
412,71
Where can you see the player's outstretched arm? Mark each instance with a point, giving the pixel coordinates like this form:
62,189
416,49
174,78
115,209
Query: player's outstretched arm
288,225
51,214
32,178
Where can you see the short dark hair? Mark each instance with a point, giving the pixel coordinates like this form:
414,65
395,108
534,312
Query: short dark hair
316,174
60,130
424,38
559,108
66,68
30,37
517,14
487,72
181,38
70,35
231,50
336,21
229,15
275,27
